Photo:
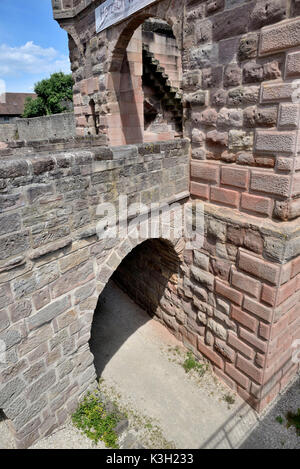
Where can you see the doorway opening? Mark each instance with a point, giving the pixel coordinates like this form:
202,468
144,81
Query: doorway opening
149,276
146,80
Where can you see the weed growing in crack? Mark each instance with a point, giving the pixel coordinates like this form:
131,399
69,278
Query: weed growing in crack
95,422
191,363
229,399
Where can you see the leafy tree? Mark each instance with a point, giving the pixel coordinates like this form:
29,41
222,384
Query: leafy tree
53,96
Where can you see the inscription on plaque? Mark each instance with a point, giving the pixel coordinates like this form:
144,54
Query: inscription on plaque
113,11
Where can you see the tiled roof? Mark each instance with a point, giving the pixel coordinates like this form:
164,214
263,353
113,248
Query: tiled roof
12,104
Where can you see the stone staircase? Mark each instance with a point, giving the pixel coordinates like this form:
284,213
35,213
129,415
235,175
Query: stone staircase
155,76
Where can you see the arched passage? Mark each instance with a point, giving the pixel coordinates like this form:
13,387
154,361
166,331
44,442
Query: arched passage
144,84
150,276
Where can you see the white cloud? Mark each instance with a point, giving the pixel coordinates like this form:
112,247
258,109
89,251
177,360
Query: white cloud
31,59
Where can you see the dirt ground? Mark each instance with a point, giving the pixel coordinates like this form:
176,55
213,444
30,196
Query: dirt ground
141,367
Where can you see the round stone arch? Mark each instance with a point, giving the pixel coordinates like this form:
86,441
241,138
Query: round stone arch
120,253
118,38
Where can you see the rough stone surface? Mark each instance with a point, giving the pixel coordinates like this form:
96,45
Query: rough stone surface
233,64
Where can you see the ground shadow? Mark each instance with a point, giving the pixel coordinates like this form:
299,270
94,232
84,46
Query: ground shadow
271,431
260,431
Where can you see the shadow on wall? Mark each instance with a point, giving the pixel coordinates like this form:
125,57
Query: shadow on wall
149,277
130,115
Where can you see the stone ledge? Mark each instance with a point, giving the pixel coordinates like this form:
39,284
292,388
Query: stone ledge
283,238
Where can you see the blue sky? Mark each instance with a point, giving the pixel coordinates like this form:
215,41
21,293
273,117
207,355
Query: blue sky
32,45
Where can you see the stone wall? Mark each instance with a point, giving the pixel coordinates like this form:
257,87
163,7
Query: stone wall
53,267
244,121
238,89
231,296
234,292
39,128
233,300
8,132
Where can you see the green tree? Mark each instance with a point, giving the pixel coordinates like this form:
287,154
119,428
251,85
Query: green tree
54,95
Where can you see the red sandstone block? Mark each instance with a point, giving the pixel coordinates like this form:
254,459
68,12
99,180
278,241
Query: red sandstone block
296,185
269,397
225,196
77,99
295,267
80,132
260,360
210,354
244,318
259,268
238,377
288,115
279,37
275,142
245,283
279,327
264,331
283,359
298,283
256,204
249,398
258,309
270,183
92,85
230,383
253,340
293,314
205,172
288,376
239,345
228,292
83,87
80,121
249,369
234,177
292,66
268,295
286,271
284,341
78,110
274,92
286,290
200,190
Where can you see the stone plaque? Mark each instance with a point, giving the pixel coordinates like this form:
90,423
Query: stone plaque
113,11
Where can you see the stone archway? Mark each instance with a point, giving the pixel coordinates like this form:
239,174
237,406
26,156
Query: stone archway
140,79
150,275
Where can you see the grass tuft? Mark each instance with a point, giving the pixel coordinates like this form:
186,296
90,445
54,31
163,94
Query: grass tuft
95,422
191,363
294,420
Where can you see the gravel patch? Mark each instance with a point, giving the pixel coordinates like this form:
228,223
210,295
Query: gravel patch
67,437
269,433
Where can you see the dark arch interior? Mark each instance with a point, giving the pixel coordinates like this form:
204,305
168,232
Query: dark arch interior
149,276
